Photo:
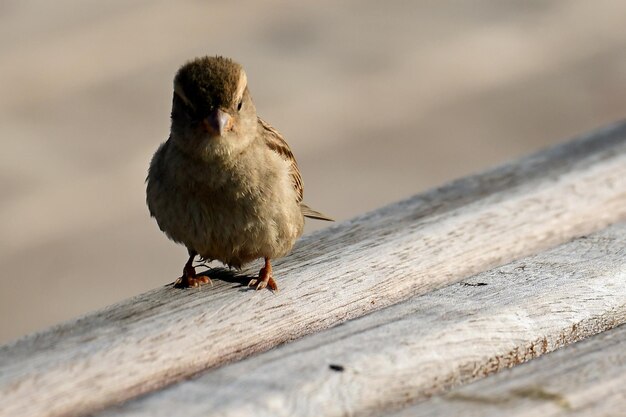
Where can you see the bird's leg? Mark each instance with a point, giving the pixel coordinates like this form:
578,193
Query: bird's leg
190,278
265,278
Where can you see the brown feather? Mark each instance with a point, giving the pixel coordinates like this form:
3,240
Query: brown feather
312,214
208,82
275,142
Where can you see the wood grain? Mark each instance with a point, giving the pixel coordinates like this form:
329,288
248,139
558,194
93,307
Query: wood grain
584,379
494,320
344,272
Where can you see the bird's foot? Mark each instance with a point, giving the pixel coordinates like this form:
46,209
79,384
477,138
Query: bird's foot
265,279
259,283
191,279
188,282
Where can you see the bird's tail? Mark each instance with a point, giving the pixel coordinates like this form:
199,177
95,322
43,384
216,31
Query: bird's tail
312,214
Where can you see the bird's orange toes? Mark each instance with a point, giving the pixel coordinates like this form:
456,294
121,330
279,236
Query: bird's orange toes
265,279
190,278
259,283
188,282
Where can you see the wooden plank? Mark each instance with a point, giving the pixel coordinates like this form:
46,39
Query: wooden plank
343,272
584,379
422,346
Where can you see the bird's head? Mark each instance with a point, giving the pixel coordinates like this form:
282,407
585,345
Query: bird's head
212,111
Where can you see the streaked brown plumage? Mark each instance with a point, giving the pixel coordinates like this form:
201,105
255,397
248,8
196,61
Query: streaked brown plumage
225,184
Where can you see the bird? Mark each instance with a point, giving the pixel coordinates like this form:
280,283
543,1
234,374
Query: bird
225,183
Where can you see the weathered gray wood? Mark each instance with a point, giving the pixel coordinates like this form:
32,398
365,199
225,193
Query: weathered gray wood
421,346
584,379
344,272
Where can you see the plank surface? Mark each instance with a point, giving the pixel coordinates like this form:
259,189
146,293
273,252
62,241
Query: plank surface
343,272
86,95
585,379
423,346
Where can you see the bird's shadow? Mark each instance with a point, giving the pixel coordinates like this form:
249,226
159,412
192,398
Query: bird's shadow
242,278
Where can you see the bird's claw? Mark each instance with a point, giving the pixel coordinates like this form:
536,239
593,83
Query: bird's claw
260,283
192,282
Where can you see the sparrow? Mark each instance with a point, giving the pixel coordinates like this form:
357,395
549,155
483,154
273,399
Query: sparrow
225,183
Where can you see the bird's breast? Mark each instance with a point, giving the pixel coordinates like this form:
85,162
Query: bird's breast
233,214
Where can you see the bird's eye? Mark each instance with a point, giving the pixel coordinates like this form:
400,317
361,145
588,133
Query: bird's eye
240,104
182,105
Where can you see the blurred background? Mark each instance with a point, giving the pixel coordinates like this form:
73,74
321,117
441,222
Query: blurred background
379,101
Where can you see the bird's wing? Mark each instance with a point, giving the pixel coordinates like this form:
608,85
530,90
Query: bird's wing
274,141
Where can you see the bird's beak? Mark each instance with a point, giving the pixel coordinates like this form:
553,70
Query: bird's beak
218,122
